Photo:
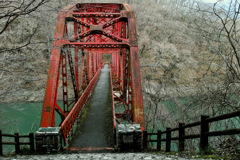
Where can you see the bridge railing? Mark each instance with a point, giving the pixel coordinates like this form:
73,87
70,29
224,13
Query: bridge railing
67,125
204,133
113,107
17,141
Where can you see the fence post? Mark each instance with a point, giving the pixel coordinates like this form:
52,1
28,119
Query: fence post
17,145
168,141
204,138
159,134
1,145
31,139
181,133
145,136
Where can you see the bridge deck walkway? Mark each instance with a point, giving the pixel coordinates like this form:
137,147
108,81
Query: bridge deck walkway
93,133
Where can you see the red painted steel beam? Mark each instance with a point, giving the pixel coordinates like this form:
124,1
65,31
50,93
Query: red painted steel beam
113,106
137,98
97,15
48,110
98,45
76,59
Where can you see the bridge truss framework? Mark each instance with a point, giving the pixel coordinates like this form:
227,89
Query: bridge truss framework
84,33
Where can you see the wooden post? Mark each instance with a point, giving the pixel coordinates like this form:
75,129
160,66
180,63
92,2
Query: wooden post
168,141
159,134
17,145
1,145
145,136
31,139
204,138
181,133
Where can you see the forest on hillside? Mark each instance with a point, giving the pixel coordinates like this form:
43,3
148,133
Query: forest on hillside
189,52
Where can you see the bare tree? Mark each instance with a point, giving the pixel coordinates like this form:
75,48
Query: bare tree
218,27
13,9
11,12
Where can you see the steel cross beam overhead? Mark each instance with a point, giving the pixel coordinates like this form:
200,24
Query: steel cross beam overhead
85,32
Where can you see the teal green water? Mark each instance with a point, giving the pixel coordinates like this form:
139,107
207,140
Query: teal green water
175,111
21,117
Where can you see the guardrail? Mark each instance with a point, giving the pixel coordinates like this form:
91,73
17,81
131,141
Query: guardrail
203,135
17,142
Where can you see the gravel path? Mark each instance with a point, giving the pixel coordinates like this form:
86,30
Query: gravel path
101,156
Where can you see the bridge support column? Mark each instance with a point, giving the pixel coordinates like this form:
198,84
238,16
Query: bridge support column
129,136
48,139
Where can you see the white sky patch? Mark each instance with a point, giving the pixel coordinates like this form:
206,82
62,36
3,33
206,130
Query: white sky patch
210,1
223,3
214,1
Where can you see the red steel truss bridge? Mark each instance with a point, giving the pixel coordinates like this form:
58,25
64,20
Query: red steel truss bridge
84,33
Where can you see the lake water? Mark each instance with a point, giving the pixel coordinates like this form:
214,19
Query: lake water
21,117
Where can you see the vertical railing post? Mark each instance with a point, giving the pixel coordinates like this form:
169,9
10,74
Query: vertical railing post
17,145
31,139
1,145
168,141
181,133
115,136
204,138
159,134
145,136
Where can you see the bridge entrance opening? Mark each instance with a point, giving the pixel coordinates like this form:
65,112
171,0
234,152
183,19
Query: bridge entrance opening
107,58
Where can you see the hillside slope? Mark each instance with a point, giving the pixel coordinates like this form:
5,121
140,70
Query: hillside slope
169,53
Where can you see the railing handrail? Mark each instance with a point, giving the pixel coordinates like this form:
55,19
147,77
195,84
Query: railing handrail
223,116
204,132
17,142
209,120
